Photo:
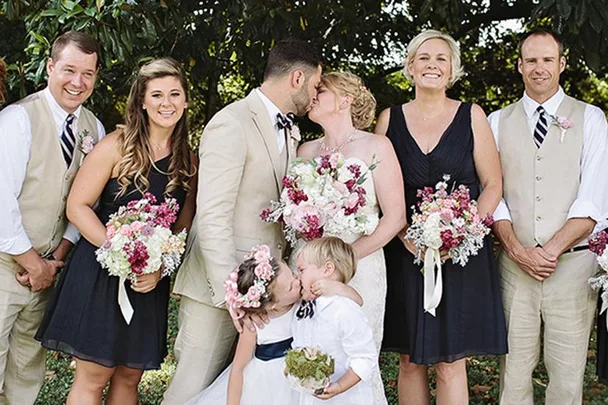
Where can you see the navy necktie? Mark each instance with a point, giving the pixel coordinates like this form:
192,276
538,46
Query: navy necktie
285,120
541,127
306,310
68,140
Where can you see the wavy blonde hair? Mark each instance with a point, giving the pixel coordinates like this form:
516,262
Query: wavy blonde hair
134,144
455,59
363,107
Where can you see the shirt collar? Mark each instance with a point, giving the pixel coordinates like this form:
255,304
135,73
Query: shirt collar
273,110
322,302
550,105
59,114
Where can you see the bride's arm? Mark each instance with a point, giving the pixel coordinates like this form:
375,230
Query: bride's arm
388,183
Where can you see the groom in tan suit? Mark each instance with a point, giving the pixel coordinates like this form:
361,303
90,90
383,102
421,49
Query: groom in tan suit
553,156
244,153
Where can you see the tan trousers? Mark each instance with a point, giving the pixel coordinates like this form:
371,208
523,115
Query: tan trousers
203,344
565,304
21,357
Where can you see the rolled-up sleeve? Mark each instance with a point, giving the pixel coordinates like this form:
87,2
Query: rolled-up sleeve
15,141
358,343
591,199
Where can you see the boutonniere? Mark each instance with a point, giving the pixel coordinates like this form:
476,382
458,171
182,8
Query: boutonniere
86,142
563,123
295,133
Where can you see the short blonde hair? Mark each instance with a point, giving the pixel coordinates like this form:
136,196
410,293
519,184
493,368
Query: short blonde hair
363,107
331,249
414,45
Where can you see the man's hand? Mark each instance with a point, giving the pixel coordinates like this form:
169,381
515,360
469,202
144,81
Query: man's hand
536,262
41,275
250,321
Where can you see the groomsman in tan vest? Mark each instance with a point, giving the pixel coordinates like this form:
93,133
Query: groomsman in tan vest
553,155
244,153
40,152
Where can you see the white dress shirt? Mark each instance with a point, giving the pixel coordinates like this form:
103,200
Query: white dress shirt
592,197
340,329
273,110
15,144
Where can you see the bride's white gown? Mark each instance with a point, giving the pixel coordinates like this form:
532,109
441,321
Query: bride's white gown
369,281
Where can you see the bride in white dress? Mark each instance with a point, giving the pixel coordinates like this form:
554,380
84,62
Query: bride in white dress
343,107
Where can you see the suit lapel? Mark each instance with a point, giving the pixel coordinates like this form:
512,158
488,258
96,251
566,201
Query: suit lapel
267,133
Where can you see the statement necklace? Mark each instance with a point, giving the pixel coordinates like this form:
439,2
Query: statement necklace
338,148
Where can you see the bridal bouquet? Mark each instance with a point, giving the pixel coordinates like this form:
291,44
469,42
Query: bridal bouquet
445,222
597,244
139,241
308,369
324,196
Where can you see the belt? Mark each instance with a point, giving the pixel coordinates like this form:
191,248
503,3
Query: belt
272,351
571,250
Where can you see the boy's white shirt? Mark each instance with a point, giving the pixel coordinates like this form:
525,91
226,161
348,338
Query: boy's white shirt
340,328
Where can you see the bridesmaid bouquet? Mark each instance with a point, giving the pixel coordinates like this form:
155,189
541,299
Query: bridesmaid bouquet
597,244
308,369
445,222
139,241
323,196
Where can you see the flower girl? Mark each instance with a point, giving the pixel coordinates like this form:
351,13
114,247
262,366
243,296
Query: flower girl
256,377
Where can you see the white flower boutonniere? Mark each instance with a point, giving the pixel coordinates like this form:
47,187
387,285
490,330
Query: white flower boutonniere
86,142
295,133
563,123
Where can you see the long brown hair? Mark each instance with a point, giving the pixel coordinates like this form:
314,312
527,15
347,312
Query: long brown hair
134,144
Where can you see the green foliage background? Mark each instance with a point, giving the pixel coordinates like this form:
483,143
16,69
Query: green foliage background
223,45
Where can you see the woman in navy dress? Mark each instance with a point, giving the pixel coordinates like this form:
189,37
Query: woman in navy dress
432,136
83,319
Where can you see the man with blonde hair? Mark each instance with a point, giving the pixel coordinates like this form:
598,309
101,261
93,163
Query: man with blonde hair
553,155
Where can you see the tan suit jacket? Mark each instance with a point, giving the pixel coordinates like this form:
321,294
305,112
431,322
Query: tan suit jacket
240,172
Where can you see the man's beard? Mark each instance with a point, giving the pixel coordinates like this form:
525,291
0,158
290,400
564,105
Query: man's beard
301,101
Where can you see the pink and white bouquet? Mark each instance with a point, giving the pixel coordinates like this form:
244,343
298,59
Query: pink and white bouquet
139,241
445,222
597,244
324,196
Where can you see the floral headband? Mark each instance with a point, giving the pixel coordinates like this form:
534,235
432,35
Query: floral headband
263,275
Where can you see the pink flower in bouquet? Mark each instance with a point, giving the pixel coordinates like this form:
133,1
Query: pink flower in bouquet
598,242
352,201
350,184
313,229
334,159
166,215
147,230
137,256
136,226
355,170
296,196
126,230
447,215
110,231
448,239
265,214
342,188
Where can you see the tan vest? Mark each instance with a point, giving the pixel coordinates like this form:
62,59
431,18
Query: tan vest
540,184
43,196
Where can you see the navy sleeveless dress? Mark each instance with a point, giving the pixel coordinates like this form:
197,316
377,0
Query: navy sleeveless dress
83,318
470,318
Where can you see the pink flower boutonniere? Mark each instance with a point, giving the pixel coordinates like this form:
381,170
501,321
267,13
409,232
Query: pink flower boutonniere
85,142
563,123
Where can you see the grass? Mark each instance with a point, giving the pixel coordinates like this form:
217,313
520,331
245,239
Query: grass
482,372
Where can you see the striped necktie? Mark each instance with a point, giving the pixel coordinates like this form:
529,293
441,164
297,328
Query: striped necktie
541,127
68,140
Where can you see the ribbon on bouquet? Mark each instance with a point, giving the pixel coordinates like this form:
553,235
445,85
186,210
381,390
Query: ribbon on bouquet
433,289
123,301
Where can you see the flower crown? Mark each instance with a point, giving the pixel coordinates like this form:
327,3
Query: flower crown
264,274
